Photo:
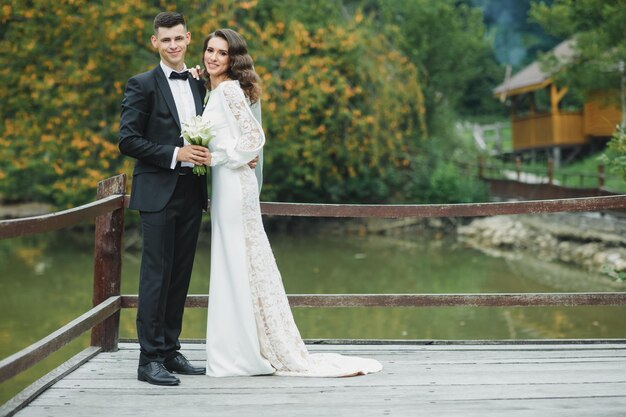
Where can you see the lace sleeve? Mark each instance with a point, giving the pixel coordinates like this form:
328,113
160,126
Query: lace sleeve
251,139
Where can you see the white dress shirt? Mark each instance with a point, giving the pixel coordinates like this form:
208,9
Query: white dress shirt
185,105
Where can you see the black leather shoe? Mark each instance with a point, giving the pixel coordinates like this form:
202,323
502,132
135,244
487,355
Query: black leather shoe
156,374
181,365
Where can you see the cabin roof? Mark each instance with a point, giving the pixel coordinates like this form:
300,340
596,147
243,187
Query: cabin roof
532,77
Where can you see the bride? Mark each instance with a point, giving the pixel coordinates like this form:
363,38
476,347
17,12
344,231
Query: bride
250,329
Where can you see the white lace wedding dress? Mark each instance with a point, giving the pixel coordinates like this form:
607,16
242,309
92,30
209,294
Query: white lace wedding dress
250,329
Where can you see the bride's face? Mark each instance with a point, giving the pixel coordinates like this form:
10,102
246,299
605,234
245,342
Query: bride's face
216,59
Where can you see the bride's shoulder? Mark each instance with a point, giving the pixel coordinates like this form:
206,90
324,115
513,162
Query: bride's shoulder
229,84
231,88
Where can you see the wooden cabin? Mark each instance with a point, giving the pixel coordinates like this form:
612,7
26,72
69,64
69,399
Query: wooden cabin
539,119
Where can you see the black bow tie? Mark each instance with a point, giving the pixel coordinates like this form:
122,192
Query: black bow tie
179,75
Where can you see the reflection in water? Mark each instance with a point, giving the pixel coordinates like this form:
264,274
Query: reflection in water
46,281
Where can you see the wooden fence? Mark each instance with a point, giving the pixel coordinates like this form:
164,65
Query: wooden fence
108,212
544,184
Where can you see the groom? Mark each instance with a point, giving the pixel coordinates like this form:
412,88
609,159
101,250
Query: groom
169,197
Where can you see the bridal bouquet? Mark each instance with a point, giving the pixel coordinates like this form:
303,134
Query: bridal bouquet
198,132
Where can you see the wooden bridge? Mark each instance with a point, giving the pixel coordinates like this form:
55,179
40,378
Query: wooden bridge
469,378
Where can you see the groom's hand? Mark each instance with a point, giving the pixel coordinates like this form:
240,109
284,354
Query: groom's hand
195,72
197,155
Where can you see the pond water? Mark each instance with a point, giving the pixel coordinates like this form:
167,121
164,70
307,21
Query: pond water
46,281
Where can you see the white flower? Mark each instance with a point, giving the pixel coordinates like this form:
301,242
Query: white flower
198,131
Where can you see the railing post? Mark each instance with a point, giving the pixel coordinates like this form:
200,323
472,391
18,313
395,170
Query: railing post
518,167
601,177
550,171
108,262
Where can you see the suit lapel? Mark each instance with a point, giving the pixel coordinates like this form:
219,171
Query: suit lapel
167,93
196,95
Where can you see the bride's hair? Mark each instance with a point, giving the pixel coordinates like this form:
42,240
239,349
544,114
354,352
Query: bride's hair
241,66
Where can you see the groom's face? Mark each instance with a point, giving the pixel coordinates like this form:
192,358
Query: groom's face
172,45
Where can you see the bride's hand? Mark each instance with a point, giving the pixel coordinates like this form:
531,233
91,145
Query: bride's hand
195,72
252,164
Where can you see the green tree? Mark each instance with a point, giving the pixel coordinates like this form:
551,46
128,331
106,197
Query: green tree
65,63
600,53
598,28
615,155
345,106
340,119
446,41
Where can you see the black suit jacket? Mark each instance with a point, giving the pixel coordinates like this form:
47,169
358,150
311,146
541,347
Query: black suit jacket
149,132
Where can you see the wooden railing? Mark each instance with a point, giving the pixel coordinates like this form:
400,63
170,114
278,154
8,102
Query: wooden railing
547,183
103,318
549,174
108,212
543,130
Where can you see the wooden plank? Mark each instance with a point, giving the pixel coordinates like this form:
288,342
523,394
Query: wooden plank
32,225
444,210
442,358
435,392
555,349
458,300
419,348
31,392
332,395
424,374
430,356
430,300
424,348
602,200
490,344
41,349
200,406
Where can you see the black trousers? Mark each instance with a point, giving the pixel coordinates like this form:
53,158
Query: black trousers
169,246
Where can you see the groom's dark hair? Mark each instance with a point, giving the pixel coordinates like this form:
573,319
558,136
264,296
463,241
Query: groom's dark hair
168,20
